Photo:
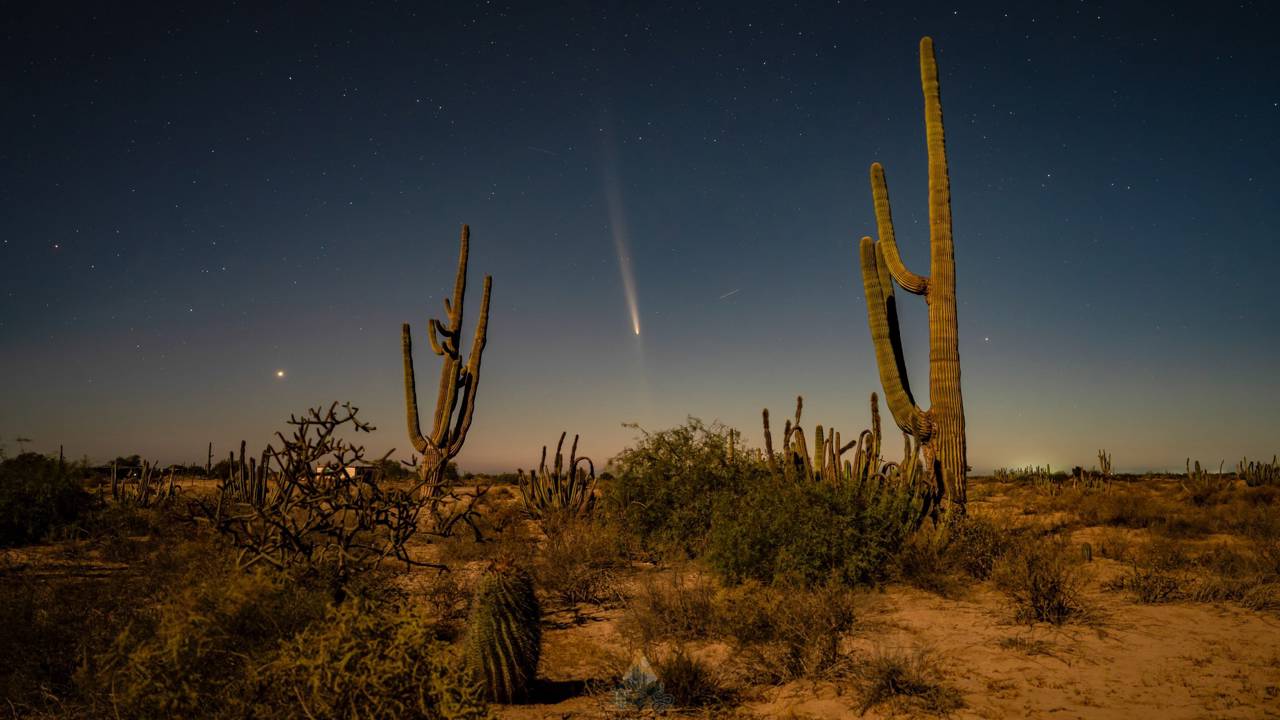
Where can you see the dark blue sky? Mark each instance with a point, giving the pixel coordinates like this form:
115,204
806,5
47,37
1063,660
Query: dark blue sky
191,199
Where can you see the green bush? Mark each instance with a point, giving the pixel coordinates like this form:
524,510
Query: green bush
667,485
38,494
977,542
809,532
366,661
191,656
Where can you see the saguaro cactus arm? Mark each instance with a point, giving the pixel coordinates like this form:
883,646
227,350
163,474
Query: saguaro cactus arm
882,317
911,282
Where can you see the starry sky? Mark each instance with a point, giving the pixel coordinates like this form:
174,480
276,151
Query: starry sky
192,200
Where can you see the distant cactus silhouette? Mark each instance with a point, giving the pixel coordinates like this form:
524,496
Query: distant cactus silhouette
504,639
940,429
456,395
1259,473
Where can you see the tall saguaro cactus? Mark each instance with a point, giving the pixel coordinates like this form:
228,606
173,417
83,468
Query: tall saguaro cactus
456,396
940,429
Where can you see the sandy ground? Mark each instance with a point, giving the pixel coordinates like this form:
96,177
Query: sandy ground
1167,661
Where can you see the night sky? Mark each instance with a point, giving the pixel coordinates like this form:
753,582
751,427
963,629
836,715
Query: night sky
192,200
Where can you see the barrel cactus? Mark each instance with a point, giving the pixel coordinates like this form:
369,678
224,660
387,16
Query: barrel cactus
504,637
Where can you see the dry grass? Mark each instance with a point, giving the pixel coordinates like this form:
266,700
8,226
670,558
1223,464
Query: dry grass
579,562
690,681
1044,580
909,680
673,605
782,633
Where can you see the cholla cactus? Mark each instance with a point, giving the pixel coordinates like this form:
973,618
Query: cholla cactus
561,489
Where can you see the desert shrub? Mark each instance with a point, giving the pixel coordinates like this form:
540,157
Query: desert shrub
1250,578
1114,544
368,661
1043,580
516,543
37,495
781,633
926,563
1136,508
1129,507
1156,573
1026,645
910,679
449,602
935,556
977,542
46,626
190,656
672,605
1151,585
667,484
579,561
809,531
688,681
1201,487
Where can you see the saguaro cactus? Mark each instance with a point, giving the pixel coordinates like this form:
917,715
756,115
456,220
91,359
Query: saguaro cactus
940,429
456,396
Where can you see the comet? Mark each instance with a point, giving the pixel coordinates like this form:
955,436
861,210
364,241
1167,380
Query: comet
618,229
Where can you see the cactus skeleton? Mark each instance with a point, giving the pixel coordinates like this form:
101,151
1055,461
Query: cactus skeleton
940,429
459,380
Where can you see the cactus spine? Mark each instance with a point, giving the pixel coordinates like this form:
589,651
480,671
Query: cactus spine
504,638
456,395
940,429
568,489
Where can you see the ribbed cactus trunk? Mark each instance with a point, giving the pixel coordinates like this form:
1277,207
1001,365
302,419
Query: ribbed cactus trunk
939,430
